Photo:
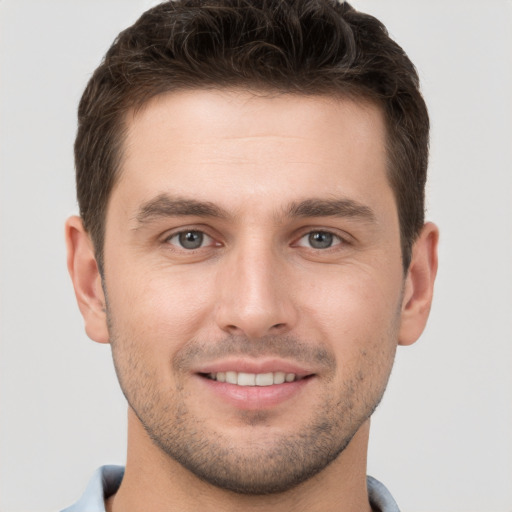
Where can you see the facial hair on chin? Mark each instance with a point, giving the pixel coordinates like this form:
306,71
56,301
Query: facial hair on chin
274,464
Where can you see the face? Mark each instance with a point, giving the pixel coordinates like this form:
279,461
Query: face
254,281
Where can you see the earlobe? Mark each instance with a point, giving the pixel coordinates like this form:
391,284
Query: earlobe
83,269
419,285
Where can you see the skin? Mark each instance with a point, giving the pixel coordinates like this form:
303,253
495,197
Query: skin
257,174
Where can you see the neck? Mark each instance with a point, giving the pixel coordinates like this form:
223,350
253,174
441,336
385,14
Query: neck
154,481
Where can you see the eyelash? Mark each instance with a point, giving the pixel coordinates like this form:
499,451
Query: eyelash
190,231
335,239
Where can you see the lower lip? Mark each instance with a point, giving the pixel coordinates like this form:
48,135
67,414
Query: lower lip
256,397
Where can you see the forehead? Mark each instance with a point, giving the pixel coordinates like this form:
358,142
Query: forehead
240,145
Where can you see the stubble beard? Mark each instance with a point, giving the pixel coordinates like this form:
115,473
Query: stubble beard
271,465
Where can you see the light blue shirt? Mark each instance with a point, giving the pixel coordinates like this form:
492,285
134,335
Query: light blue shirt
107,479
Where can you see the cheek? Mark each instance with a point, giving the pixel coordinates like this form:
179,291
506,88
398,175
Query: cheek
159,310
353,301
359,316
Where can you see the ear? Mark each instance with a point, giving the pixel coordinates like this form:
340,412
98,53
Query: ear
419,285
86,278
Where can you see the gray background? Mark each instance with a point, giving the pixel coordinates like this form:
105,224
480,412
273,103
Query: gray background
442,439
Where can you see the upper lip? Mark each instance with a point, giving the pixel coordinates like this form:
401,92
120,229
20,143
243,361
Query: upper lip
254,366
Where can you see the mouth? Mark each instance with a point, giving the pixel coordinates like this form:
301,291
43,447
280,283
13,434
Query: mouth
254,385
254,379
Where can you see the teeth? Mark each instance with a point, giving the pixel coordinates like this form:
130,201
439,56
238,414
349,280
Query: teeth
246,379
231,377
280,377
253,379
262,379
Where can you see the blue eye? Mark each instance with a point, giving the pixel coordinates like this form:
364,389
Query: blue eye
190,239
319,240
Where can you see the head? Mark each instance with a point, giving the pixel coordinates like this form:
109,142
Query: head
250,179
295,47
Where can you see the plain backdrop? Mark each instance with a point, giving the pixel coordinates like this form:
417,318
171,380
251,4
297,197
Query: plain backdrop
442,438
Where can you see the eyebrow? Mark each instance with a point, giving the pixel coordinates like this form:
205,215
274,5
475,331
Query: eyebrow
165,206
332,208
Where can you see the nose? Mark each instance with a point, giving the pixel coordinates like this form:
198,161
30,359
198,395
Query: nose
255,296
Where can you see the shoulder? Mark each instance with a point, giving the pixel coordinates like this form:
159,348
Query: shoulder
380,498
105,482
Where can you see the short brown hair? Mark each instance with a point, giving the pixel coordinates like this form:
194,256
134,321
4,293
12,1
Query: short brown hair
286,46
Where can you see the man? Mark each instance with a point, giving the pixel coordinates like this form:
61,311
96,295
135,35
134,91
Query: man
251,242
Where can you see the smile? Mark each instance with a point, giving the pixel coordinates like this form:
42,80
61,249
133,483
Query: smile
253,379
